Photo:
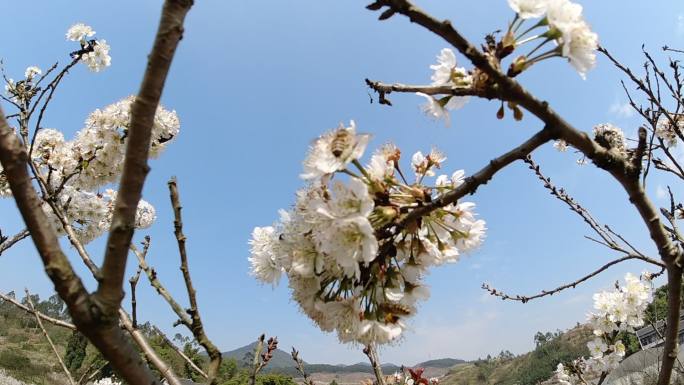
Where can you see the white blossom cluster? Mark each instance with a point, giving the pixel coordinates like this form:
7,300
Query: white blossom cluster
666,131
566,27
107,381
446,73
78,168
607,135
353,267
616,311
610,137
22,91
95,53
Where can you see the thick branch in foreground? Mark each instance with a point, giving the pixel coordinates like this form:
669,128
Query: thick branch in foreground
571,285
674,303
109,292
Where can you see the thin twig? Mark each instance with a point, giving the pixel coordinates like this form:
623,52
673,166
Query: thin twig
134,283
544,293
299,364
196,326
180,352
9,242
372,354
42,316
49,340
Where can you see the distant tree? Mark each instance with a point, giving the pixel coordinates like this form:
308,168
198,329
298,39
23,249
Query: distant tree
75,351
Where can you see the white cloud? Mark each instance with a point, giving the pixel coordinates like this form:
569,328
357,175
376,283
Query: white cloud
661,192
475,266
621,110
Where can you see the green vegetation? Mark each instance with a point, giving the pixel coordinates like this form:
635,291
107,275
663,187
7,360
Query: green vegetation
26,355
24,352
526,369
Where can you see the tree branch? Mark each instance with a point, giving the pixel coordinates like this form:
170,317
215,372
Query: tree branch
21,306
372,354
613,162
49,340
299,364
383,89
180,353
134,282
481,177
196,326
9,242
165,370
109,292
544,293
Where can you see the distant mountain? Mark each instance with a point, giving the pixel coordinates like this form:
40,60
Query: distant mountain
440,363
245,355
282,363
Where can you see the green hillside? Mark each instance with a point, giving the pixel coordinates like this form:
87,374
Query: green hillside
525,369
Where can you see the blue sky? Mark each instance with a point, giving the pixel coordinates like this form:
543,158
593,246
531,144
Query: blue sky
255,81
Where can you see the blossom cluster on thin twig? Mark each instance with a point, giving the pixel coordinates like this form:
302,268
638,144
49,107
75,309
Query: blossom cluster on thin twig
76,170
620,310
563,27
352,266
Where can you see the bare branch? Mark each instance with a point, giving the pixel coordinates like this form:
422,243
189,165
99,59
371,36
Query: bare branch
109,293
262,359
183,317
544,293
134,282
564,197
196,326
383,89
372,354
9,242
36,313
164,368
666,48
180,352
299,364
49,340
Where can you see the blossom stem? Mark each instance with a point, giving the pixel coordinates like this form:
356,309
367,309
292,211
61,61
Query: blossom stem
351,173
513,27
529,39
528,30
401,174
546,55
538,46
360,167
